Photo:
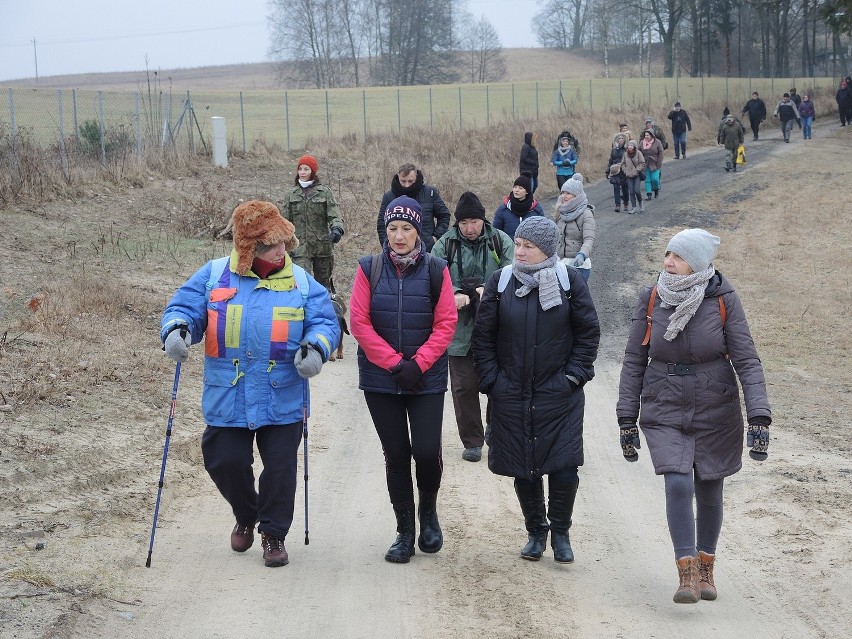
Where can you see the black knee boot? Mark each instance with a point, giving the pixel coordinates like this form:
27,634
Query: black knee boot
431,538
403,548
560,509
531,498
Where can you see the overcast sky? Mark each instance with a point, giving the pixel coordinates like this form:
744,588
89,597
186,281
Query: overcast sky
90,36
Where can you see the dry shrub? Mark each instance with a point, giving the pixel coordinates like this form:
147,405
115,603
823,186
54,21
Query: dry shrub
205,213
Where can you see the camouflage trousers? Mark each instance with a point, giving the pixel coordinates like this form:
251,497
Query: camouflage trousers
320,267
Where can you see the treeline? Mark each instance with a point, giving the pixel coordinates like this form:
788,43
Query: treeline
350,43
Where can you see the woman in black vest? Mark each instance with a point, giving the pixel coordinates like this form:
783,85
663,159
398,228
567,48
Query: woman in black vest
403,330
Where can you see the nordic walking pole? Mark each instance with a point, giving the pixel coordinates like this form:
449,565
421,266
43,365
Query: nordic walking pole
305,440
163,465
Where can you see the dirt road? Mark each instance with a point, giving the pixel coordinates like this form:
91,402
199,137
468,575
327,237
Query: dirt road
781,569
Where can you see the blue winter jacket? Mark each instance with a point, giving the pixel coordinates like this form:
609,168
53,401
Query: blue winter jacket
507,220
252,330
564,163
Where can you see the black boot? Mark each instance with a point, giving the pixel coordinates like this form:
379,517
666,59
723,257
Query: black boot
657,192
560,508
648,196
431,538
531,498
402,550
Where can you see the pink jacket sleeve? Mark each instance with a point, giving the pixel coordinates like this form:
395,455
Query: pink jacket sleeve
377,350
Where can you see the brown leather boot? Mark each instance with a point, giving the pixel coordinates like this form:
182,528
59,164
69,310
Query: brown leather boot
705,576
242,537
687,570
274,552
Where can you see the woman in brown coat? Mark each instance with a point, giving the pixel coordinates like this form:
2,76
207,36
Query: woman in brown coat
652,149
632,167
688,338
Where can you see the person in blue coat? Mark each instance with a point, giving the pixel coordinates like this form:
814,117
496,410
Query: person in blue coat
518,205
564,159
267,326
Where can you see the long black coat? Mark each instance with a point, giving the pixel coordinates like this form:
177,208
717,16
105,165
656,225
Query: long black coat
522,355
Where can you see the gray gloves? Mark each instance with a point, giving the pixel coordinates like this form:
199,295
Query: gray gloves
757,438
578,261
630,441
308,360
177,344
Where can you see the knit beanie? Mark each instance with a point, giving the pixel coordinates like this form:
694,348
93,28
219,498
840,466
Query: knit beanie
309,160
256,222
541,231
786,95
697,247
406,209
574,185
525,182
677,103
469,207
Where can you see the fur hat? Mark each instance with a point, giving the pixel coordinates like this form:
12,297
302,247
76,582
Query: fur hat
469,207
574,186
256,222
310,161
406,209
697,247
541,231
524,181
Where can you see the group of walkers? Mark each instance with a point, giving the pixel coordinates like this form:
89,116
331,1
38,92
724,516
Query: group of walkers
501,309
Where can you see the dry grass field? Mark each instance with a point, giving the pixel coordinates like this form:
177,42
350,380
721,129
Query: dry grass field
88,264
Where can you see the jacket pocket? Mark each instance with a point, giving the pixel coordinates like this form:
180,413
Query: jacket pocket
219,400
285,393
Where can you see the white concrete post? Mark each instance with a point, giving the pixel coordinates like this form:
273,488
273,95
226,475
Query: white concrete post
220,143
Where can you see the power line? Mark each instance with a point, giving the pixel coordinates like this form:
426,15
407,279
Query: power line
26,43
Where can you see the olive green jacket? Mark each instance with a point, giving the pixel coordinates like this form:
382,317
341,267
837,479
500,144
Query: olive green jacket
314,213
473,261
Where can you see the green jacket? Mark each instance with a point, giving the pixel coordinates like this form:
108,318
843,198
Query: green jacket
474,261
314,213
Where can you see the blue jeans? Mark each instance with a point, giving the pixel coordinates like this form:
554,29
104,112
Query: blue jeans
679,144
786,127
807,121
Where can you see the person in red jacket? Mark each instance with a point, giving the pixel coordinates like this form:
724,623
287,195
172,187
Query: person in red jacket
404,318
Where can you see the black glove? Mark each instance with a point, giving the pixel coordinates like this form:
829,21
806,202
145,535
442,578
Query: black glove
757,438
665,146
799,122
630,441
408,375
335,235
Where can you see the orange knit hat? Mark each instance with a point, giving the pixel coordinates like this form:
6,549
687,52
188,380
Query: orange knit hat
310,161
256,221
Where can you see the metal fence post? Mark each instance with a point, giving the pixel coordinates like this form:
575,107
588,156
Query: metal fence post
536,101
513,100
191,114
327,116
101,127
621,90
14,131
364,108
398,113
591,106
461,126
243,121
62,156
287,118
431,115
487,106
74,105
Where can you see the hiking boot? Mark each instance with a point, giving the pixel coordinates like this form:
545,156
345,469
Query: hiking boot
705,576
242,537
648,196
727,169
431,537
274,553
402,550
687,570
657,192
617,208
472,454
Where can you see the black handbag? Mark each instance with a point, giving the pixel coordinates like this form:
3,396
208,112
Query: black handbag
642,175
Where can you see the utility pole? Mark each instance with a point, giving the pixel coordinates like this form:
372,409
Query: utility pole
35,55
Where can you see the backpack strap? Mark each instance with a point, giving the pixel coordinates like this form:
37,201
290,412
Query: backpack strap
505,276
436,275
301,277
452,249
217,267
651,301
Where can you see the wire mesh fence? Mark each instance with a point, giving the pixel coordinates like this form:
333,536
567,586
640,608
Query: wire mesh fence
104,123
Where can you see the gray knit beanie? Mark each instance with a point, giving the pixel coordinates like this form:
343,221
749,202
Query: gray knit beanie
574,185
541,231
697,247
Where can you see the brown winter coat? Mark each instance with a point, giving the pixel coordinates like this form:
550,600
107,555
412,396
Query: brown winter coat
693,419
631,166
653,155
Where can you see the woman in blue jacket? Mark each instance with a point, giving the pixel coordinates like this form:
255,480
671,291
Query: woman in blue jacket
518,205
267,327
564,159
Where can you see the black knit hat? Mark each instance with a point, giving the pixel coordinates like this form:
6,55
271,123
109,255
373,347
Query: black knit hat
524,181
469,207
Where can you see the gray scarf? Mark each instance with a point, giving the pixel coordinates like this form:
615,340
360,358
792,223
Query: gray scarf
573,209
683,293
541,276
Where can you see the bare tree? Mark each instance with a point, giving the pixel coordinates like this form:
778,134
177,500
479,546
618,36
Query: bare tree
553,25
481,50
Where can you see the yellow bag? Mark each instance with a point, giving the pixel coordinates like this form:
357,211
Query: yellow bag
741,154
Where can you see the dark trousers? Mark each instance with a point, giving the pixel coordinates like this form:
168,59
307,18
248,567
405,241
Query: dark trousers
320,267
228,458
689,529
619,192
392,415
755,126
464,385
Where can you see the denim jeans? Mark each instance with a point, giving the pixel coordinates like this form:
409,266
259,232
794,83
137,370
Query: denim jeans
807,121
786,127
679,144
